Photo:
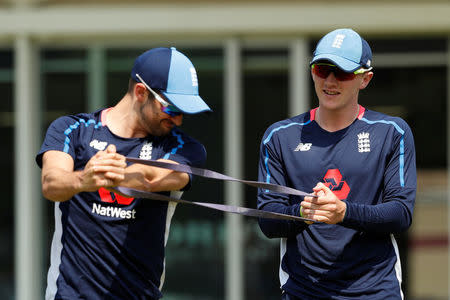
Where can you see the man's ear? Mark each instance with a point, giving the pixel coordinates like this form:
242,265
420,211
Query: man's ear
140,92
366,79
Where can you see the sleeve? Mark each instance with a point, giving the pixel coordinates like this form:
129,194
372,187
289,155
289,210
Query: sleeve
59,137
395,212
271,170
185,150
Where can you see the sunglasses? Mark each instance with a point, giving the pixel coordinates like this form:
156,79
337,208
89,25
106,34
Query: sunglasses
166,108
323,71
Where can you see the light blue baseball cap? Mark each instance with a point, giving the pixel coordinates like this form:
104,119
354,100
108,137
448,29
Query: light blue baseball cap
345,48
173,74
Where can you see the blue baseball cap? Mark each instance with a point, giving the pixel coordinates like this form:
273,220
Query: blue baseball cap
345,48
174,75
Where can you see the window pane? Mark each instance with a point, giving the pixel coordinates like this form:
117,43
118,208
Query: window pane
63,92
418,95
197,237
6,176
266,102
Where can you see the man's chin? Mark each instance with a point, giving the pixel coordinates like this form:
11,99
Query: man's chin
166,130
162,131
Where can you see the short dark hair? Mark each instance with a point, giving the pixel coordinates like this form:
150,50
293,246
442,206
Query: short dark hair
131,84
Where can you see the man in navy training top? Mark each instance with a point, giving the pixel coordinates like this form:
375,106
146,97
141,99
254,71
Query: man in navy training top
106,245
361,166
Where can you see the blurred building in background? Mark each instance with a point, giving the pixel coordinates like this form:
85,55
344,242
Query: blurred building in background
60,57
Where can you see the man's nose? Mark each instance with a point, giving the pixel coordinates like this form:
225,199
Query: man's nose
331,78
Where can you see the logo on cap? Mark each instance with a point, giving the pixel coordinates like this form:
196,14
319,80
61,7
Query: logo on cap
194,77
344,48
338,40
173,74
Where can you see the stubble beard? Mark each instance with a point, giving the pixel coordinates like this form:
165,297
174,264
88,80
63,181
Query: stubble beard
153,124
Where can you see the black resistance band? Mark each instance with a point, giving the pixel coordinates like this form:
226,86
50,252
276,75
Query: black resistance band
215,175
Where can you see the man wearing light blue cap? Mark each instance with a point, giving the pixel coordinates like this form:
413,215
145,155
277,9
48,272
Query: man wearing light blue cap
107,245
360,166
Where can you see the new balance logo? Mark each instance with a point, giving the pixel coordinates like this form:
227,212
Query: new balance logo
98,145
363,142
338,40
303,147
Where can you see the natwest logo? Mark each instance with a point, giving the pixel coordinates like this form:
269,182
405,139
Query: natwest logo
112,211
110,197
333,180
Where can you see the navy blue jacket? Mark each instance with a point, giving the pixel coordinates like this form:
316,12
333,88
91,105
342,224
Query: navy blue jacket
106,246
371,166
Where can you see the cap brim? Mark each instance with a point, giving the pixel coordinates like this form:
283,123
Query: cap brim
188,104
342,63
